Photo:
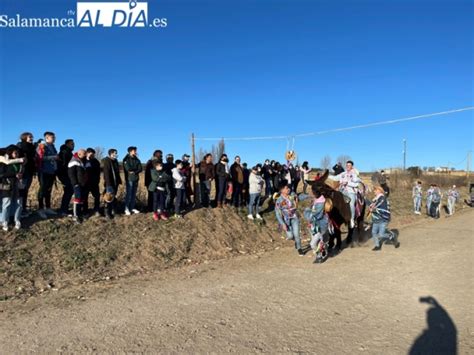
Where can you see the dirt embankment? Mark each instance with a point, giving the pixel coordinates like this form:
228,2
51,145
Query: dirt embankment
55,253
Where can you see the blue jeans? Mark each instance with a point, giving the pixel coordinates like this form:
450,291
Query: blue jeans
10,206
159,199
180,200
221,189
254,202
293,232
428,205
268,187
131,194
111,206
417,203
379,233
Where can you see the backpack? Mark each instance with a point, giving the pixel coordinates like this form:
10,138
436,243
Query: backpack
436,197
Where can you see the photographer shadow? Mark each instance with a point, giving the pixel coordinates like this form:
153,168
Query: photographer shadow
441,335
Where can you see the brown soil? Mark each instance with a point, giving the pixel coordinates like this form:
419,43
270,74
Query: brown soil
56,253
358,302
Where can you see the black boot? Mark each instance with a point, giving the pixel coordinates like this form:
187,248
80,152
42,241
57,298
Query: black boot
108,211
396,243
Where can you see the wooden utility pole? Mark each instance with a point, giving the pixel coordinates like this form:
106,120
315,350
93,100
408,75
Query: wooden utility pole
193,169
468,168
404,155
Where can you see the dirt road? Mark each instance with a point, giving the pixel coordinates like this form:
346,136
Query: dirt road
359,302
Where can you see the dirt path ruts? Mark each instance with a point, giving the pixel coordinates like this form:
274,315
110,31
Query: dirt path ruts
361,301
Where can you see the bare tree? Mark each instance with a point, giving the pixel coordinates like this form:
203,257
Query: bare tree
326,162
218,150
200,155
343,158
99,153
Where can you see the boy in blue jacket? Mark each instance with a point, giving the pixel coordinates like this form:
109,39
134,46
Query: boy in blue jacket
380,210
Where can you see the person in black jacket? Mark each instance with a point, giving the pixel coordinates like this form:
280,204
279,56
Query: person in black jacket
278,174
237,176
338,169
296,178
92,166
78,178
64,157
267,174
157,157
132,168
246,184
171,192
112,180
222,177
27,151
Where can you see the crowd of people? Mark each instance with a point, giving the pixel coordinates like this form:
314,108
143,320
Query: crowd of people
169,185
168,181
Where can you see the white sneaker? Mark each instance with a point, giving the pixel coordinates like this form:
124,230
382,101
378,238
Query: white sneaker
50,212
135,211
250,217
258,216
42,214
127,212
17,225
5,226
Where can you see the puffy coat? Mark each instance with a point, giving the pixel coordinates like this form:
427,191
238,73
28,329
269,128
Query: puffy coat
77,172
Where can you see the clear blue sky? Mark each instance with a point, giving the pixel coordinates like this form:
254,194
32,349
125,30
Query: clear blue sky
245,68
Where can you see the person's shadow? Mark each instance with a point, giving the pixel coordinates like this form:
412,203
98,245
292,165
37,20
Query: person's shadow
441,335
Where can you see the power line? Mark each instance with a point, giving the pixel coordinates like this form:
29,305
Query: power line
462,161
380,123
